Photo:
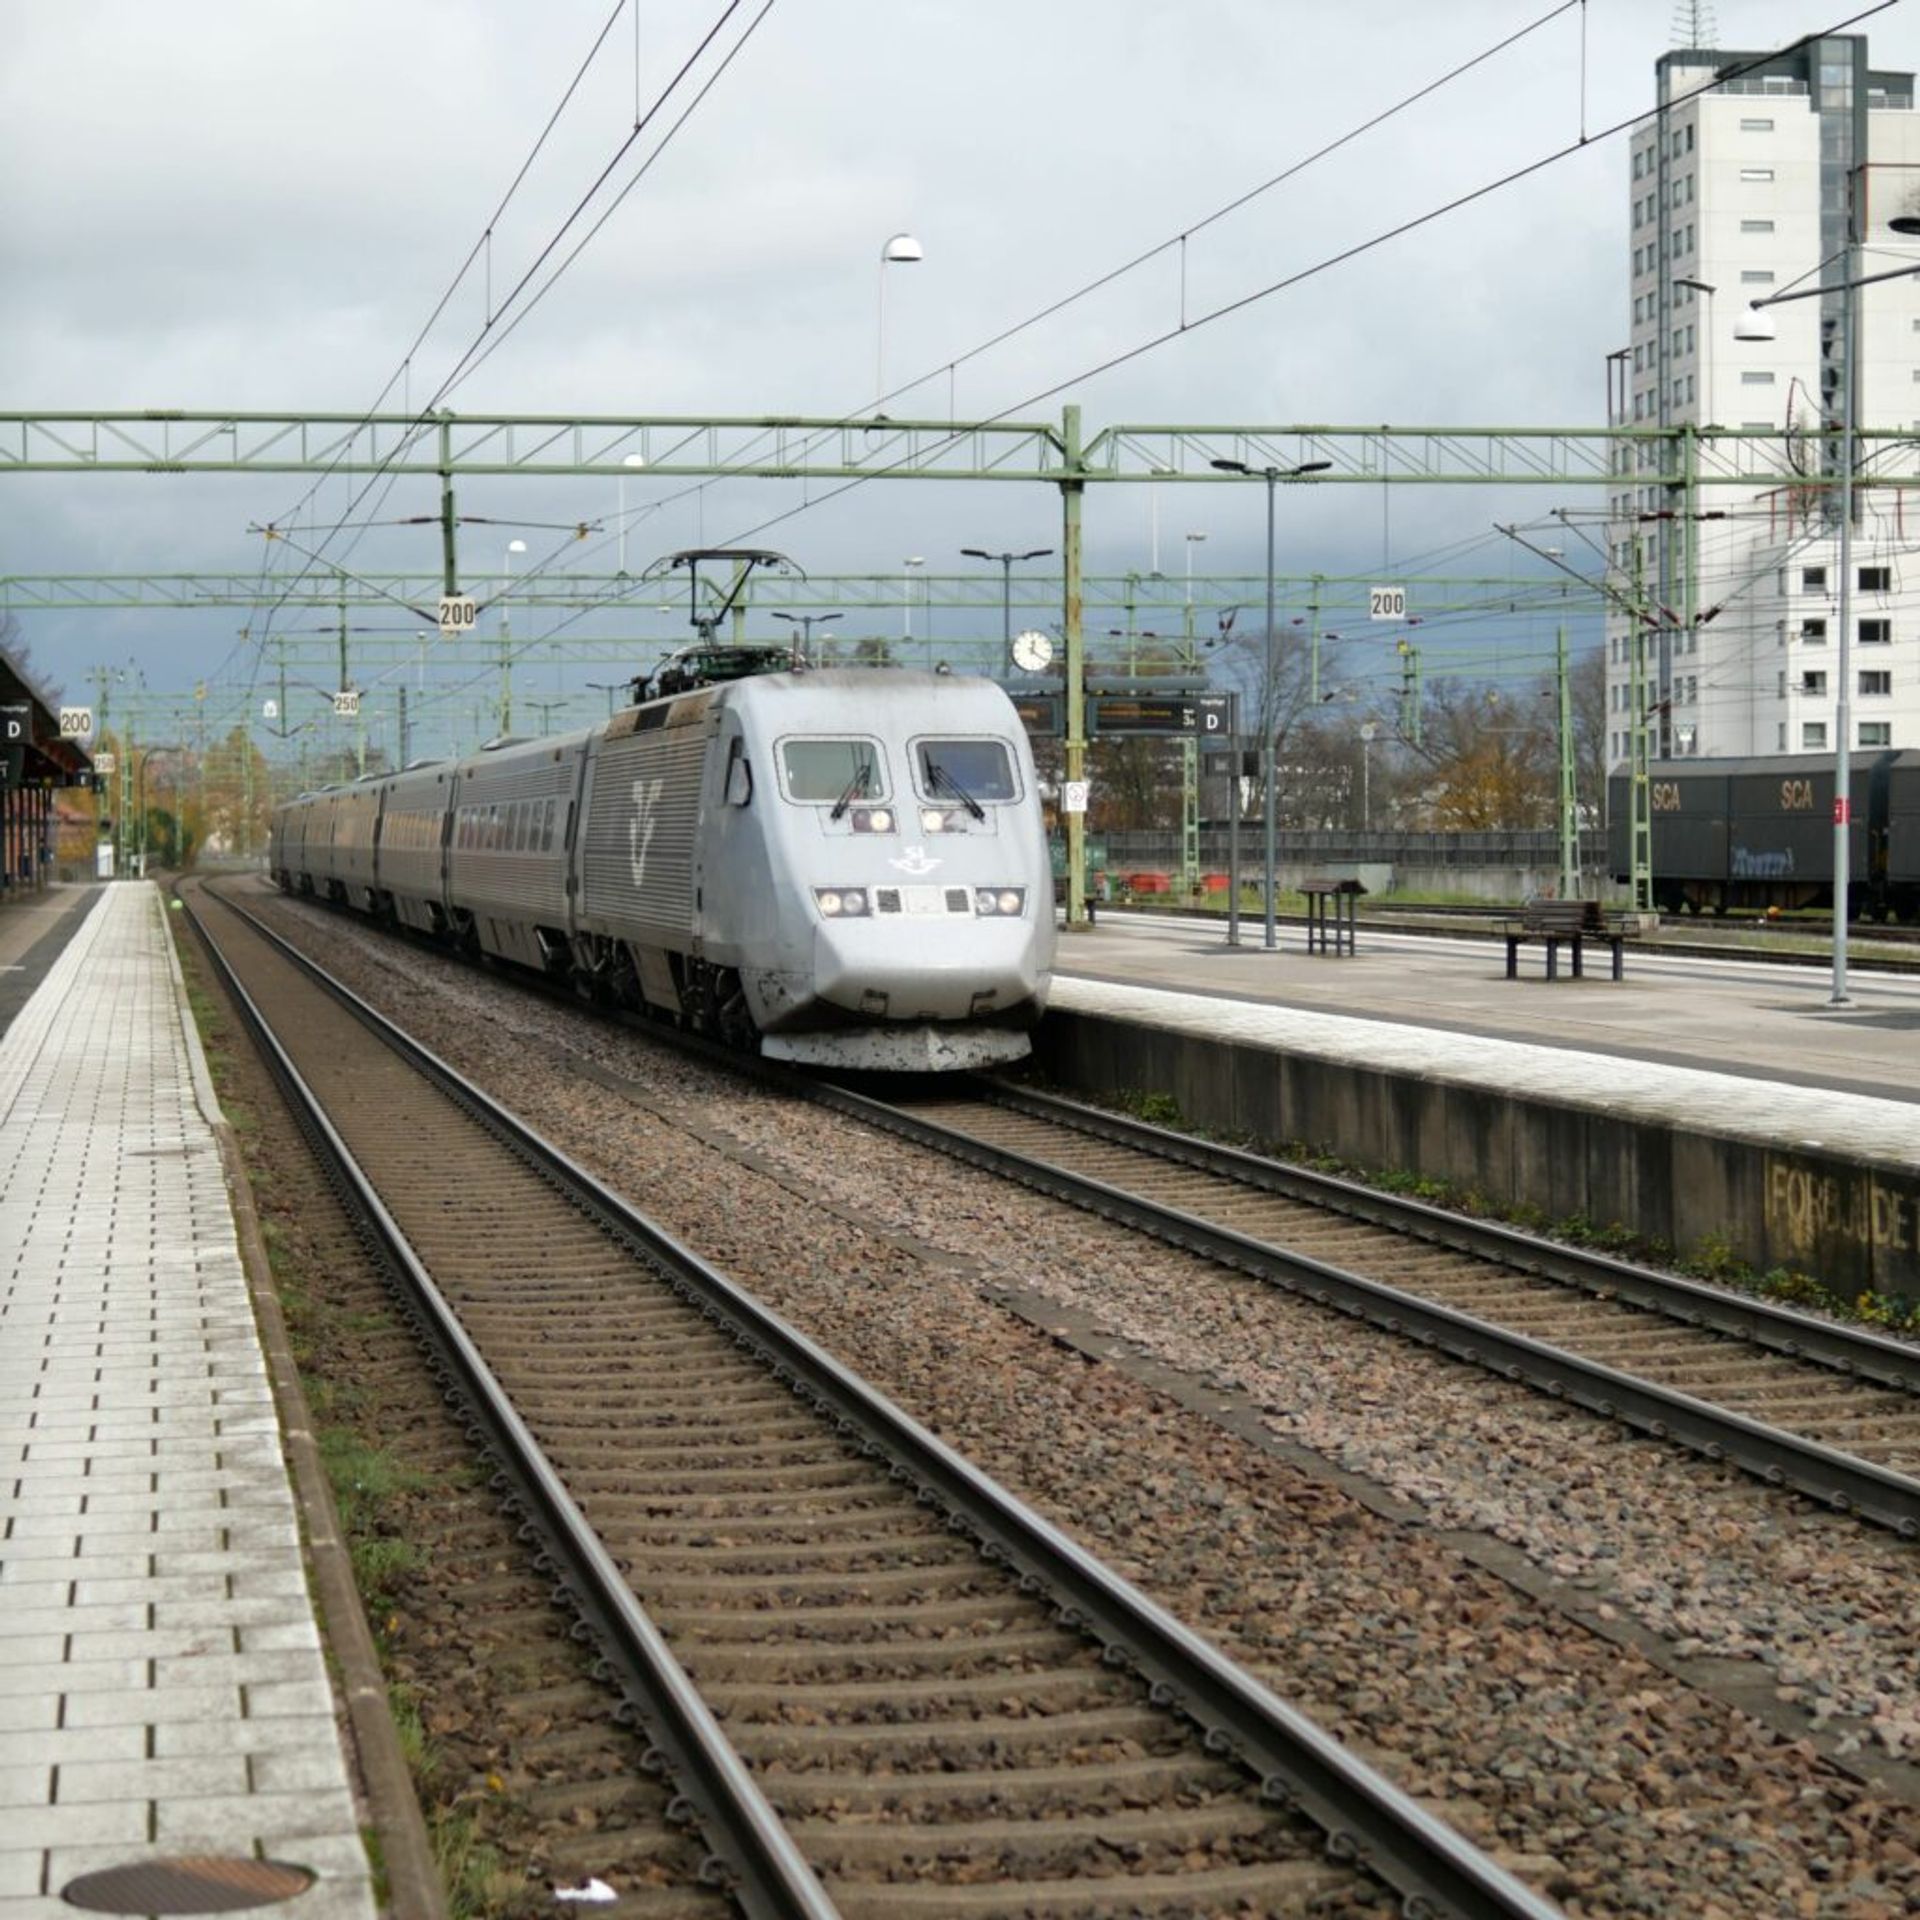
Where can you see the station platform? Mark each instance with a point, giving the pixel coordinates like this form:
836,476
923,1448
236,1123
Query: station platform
166,1718
32,933
1694,1099
1728,1017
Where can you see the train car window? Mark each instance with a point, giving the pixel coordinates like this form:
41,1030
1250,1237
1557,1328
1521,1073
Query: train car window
546,827
978,770
830,771
739,787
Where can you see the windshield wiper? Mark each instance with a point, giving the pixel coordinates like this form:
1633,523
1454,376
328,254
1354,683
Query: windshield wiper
938,776
855,788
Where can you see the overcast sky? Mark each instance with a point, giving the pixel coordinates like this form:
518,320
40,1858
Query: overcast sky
255,206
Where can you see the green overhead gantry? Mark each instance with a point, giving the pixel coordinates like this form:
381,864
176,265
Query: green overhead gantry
1684,459
166,440
1149,594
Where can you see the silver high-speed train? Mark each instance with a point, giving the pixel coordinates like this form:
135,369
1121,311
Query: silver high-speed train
844,868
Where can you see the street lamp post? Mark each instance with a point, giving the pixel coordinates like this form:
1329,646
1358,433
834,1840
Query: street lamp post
1272,476
901,249
1847,285
632,460
1707,290
506,636
146,754
1006,561
907,567
1193,540
806,622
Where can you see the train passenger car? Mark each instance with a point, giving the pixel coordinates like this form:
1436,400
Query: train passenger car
414,820
842,868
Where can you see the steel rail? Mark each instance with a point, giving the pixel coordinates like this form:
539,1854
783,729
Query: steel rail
767,1873
1784,1330
1366,1818
1837,1479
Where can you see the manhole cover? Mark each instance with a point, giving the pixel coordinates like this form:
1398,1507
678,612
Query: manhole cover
187,1885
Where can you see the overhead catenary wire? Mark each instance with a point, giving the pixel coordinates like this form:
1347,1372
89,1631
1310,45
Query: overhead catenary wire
1289,281
462,367
1286,282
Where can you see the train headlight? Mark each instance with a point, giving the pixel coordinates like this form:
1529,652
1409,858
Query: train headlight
932,820
873,820
841,903
999,900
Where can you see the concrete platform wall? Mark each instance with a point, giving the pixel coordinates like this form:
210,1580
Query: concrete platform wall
1853,1224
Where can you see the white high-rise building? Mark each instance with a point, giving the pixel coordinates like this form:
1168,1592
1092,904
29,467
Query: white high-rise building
1741,192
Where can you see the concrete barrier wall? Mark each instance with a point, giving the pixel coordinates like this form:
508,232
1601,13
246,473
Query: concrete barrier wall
1854,1225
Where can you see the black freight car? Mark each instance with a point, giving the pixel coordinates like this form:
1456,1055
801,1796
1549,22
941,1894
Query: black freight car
1754,833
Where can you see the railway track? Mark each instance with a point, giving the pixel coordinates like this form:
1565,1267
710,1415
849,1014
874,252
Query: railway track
1801,1402
812,1604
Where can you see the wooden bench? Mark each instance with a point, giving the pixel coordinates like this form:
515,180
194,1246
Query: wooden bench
1571,921
1336,933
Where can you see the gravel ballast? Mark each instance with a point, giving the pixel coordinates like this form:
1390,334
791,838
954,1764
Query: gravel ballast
1593,1770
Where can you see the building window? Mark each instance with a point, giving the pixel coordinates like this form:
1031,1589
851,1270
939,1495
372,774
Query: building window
1756,377
1780,692
1689,138
1756,226
1756,174
1813,683
1876,633
1813,632
1876,733
1754,126
1813,579
1762,277
1813,733
1639,165
1876,579
1876,682
1780,737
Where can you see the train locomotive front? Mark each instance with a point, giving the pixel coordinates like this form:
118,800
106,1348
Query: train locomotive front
876,869
837,868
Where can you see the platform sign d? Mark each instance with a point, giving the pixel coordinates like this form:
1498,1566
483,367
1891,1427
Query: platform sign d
16,728
1213,716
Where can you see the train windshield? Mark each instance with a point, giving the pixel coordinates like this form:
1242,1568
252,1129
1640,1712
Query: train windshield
968,770
834,772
